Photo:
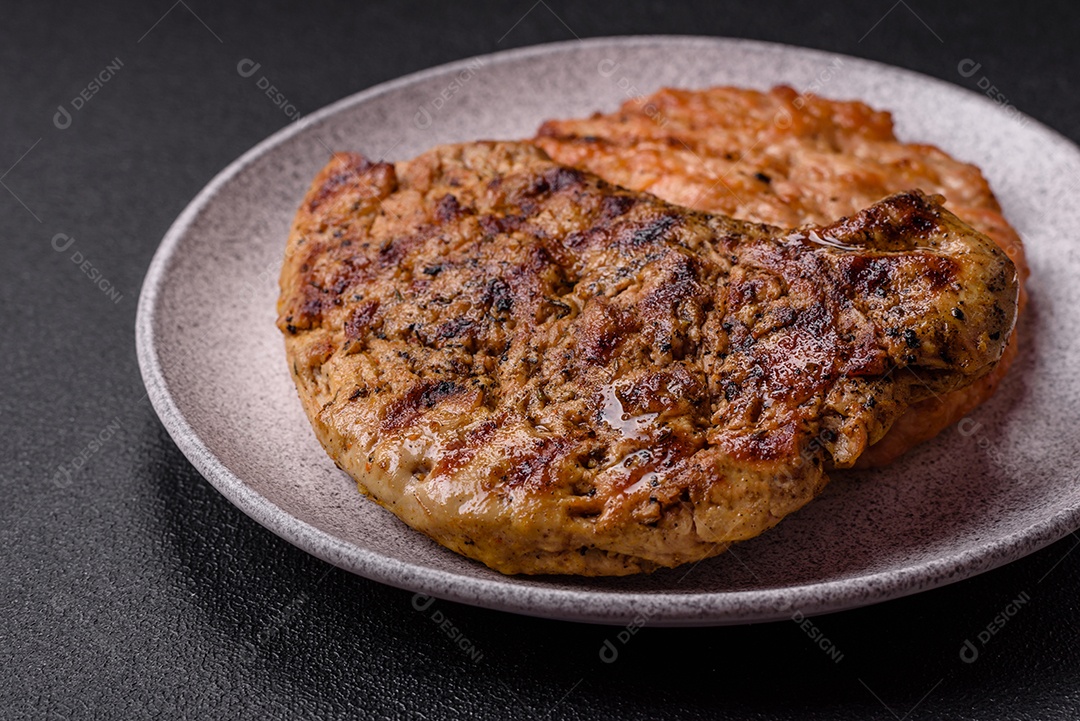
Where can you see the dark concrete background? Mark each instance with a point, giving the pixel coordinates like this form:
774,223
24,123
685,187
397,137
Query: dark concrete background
131,589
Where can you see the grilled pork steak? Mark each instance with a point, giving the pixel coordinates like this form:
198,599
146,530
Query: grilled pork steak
786,159
551,374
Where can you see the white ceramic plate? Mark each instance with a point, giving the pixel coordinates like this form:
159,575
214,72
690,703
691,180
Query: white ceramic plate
1000,486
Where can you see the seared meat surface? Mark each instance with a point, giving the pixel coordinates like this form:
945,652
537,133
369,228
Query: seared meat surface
780,158
551,374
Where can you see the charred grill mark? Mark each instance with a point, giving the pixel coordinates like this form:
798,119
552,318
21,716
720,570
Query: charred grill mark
636,235
614,206
321,290
335,182
895,223
817,320
539,277
561,178
780,317
454,328
906,214
746,292
597,235
474,438
731,389
678,304
603,327
459,453
310,312
436,392
940,271
537,466
501,224
553,180
359,322
866,274
448,208
394,250
775,444
498,296
351,270
861,275
404,410
355,172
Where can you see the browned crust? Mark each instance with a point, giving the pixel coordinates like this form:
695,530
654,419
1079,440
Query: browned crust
786,159
554,375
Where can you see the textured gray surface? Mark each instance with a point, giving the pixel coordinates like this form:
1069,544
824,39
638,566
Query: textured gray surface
136,590
1001,486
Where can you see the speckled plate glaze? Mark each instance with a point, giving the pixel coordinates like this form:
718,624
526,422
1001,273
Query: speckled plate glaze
1000,485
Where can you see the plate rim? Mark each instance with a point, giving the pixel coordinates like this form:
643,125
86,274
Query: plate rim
661,608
